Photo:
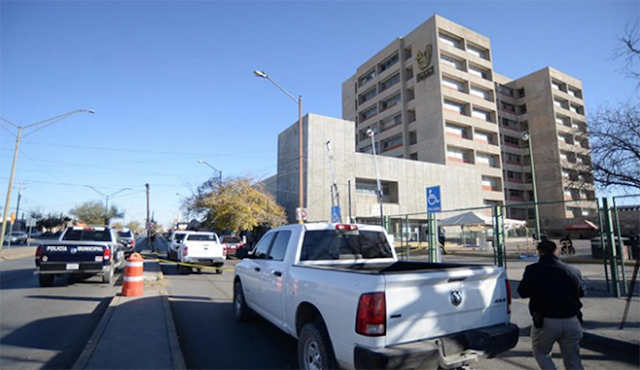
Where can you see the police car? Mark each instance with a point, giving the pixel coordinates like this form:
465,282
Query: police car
81,251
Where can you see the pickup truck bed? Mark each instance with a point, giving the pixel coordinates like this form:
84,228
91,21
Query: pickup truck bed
390,267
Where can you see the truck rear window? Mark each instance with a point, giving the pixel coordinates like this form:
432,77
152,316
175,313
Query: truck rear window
125,234
88,235
201,237
178,237
319,245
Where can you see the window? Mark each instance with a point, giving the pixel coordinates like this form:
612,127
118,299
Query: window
505,90
521,93
410,94
260,251
486,159
575,92
368,95
511,141
508,107
456,130
478,51
481,93
510,124
413,137
389,62
454,84
490,183
407,52
279,248
450,40
482,114
560,103
413,156
319,245
392,143
370,187
367,77
516,194
578,125
562,120
89,234
389,82
458,155
564,156
201,237
457,107
479,71
453,62
512,158
576,109
368,113
390,122
558,86
522,109
485,137
390,102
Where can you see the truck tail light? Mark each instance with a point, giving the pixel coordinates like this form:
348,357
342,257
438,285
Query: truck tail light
224,251
508,295
346,227
106,254
371,319
185,251
39,252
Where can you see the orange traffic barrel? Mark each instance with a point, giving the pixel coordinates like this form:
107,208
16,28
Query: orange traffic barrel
133,276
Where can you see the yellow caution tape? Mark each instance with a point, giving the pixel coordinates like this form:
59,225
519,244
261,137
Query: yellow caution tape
191,264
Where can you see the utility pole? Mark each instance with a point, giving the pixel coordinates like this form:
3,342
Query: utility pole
37,126
372,134
147,187
17,212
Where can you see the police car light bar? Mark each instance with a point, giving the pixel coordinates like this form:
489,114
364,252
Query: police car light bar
346,227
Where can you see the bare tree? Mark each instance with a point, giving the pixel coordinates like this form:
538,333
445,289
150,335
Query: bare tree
615,131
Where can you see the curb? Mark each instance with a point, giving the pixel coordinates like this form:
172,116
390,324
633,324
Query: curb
174,344
609,343
85,356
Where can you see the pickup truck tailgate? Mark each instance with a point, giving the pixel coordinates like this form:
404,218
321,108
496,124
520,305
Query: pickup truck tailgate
73,252
204,249
423,305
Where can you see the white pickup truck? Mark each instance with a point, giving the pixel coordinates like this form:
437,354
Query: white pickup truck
201,249
341,291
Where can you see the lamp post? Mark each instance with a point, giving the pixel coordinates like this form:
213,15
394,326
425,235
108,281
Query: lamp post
372,135
527,137
38,126
106,196
202,161
300,162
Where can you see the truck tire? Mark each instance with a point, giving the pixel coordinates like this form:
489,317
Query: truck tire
108,277
46,280
314,348
241,310
219,270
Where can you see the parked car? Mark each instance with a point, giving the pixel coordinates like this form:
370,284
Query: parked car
201,248
231,244
80,251
174,243
128,240
16,237
342,292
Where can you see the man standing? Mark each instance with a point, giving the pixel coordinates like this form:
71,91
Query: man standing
555,290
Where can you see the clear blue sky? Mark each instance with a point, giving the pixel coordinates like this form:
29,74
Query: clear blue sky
172,81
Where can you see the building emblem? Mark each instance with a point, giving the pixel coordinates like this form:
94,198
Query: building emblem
456,297
424,62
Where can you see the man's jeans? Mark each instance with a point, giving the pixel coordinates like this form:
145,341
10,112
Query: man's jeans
567,332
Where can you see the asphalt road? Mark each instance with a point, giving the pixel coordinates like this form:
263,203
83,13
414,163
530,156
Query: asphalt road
46,327
210,337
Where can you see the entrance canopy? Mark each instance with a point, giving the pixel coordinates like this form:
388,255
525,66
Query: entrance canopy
478,219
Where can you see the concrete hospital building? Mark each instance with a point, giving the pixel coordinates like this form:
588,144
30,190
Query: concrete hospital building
443,116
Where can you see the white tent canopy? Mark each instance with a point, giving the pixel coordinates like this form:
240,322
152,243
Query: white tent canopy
477,219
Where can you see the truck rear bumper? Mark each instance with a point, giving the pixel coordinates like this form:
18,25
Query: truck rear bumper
69,268
211,261
446,352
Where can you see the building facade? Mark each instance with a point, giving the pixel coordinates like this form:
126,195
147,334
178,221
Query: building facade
433,96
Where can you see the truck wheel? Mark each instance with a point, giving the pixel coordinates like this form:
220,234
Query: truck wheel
314,348
108,277
219,270
46,280
240,308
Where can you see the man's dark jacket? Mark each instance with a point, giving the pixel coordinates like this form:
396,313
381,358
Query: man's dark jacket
554,288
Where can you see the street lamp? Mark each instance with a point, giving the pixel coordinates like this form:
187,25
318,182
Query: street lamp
372,135
106,196
202,161
38,126
527,137
300,162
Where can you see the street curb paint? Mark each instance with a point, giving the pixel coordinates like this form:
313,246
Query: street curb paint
88,350
174,345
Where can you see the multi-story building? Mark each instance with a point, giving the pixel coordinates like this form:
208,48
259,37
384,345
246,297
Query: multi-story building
433,96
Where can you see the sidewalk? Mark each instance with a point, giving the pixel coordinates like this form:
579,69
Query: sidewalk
17,252
136,332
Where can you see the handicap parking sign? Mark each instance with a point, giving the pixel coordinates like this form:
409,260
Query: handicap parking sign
434,203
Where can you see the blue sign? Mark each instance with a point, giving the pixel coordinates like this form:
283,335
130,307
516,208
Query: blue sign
434,203
335,215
